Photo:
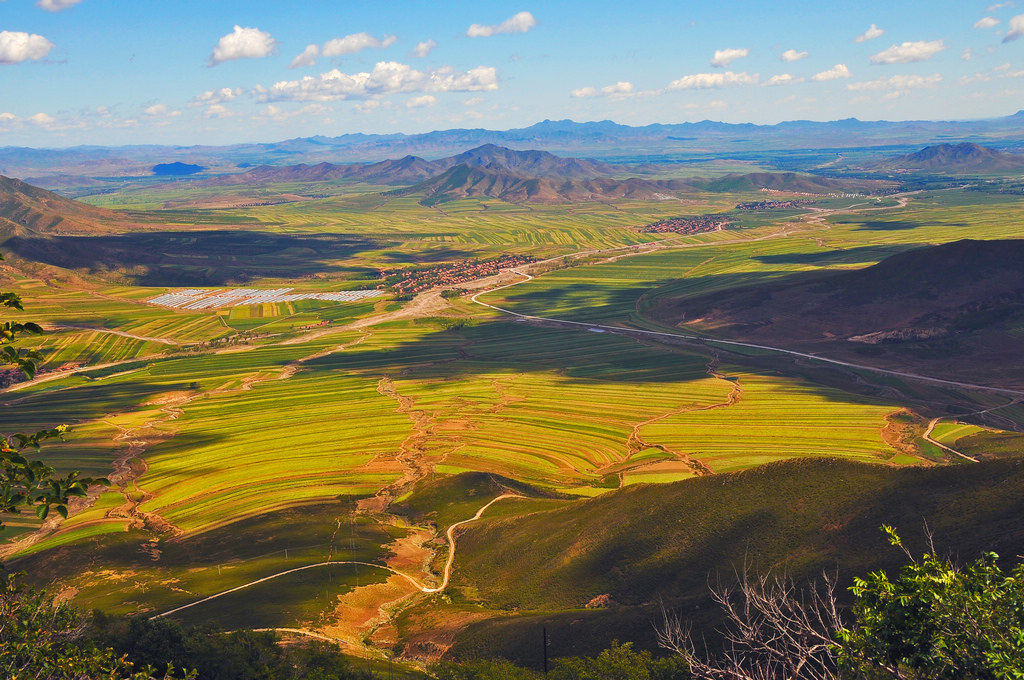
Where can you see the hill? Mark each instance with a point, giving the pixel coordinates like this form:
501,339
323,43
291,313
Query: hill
959,159
27,209
632,548
962,300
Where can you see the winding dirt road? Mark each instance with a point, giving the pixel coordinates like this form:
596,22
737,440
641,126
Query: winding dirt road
419,586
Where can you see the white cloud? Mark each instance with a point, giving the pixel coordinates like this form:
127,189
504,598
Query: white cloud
387,77
898,83
423,49
617,91
704,81
473,101
369,106
998,5
421,102
243,43
909,52
725,57
224,94
7,117
1016,28
156,110
306,58
967,54
218,111
42,120
520,23
355,42
793,55
986,22
16,46
279,115
783,79
871,34
56,5
835,73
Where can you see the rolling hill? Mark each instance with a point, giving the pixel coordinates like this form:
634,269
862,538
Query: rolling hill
641,545
965,158
27,209
962,300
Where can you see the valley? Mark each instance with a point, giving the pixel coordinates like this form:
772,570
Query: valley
648,406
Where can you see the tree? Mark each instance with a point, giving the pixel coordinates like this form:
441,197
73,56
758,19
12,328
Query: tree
933,621
936,621
774,630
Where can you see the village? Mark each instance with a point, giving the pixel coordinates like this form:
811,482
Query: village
688,225
407,282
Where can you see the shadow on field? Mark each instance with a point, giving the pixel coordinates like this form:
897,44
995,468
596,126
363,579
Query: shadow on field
900,225
84,402
195,258
858,255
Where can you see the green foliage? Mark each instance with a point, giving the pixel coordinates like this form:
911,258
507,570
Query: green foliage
936,621
40,639
620,662
9,331
240,655
482,669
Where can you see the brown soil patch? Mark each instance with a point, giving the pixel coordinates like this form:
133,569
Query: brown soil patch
362,611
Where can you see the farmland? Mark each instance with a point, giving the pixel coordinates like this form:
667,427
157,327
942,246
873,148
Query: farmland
251,439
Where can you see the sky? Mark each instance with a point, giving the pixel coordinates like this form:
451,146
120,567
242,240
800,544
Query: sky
118,72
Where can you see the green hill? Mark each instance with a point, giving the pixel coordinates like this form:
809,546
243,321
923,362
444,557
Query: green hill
645,544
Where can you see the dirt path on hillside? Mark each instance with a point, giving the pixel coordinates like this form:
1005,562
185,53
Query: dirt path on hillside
412,580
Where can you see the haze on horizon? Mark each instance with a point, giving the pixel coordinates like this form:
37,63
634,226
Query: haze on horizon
113,73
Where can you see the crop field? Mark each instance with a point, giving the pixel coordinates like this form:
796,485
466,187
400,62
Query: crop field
263,437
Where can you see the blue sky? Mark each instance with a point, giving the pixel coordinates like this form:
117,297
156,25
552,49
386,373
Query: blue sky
223,71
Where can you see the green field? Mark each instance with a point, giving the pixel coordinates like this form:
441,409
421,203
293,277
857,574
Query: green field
255,430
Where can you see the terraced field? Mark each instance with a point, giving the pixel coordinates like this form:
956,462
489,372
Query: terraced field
292,424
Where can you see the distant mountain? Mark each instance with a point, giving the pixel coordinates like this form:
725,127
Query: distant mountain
958,159
465,181
599,139
26,209
526,176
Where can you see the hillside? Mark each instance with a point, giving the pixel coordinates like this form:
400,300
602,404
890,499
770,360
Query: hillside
27,209
647,543
958,159
961,299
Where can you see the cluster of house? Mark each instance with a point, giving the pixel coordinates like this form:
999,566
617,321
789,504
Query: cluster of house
770,205
688,225
411,281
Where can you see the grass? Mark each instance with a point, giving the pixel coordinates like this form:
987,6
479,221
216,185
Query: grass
267,447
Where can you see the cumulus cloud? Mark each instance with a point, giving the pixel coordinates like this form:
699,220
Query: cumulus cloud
909,52
835,73
793,55
871,34
967,54
705,81
56,5
618,90
1016,28
356,42
986,22
725,57
243,43
421,102
998,5
422,49
783,79
387,77
16,46
306,58
519,23
7,117
896,83
224,94
218,111
473,101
